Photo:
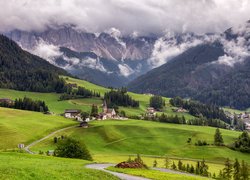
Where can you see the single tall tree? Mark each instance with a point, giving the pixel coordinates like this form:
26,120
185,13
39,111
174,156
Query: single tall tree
155,163
167,161
180,164
228,169
236,173
218,140
244,171
94,110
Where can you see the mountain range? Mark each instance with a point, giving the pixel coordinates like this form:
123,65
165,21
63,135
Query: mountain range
107,58
215,72
211,67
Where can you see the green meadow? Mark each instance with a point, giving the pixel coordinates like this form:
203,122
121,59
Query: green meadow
20,166
109,141
58,107
17,126
51,100
154,174
114,141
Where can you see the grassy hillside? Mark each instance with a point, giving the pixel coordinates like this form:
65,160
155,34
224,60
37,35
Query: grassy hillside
21,166
58,107
51,100
113,141
142,98
18,126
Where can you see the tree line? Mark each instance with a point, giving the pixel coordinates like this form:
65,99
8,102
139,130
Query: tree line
80,92
115,98
27,104
157,102
198,109
164,118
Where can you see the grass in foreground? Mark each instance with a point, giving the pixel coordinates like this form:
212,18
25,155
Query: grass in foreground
17,126
153,174
113,141
28,167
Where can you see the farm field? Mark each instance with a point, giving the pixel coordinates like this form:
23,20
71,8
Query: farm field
51,100
58,107
114,141
26,167
18,126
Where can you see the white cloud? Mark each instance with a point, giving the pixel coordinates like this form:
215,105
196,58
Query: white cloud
125,70
236,49
46,51
93,64
172,45
143,16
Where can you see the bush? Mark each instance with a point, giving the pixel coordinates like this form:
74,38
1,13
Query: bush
71,148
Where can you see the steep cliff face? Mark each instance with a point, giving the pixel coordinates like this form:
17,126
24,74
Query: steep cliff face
109,45
115,59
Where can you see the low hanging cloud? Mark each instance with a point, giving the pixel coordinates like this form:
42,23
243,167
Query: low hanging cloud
125,70
236,50
47,51
140,16
172,44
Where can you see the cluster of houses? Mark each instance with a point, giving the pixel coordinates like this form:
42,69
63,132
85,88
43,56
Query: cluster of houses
107,113
243,116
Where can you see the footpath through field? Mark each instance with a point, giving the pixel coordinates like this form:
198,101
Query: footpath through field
27,148
122,176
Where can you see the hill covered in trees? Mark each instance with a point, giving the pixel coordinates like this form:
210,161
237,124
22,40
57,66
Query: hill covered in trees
195,74
21,70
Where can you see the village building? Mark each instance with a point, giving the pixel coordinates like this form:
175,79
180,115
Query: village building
6,101
107,113
84,124
151,112
247,125
20,146
180,110
72,113
73,85
50,152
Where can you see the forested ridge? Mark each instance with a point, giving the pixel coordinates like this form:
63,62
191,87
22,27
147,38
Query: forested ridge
23,71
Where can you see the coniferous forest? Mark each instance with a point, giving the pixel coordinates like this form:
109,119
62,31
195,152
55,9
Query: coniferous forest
27,104
23,71
120,98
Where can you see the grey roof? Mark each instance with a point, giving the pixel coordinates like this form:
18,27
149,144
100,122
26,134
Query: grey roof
72,111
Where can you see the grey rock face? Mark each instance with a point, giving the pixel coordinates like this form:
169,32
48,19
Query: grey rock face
104,45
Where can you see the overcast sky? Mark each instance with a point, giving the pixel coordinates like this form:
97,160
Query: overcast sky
143,16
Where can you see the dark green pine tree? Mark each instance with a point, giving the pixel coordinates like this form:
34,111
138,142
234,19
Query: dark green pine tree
218,139
155,163
228,169
244,171
167,162
94,110
236,172
180,164
173,166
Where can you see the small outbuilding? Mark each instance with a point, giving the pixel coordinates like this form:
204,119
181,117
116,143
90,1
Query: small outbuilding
72,113
20,146
84,124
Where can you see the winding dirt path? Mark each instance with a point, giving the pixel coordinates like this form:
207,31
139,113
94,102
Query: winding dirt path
119,175
27,148
123,176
